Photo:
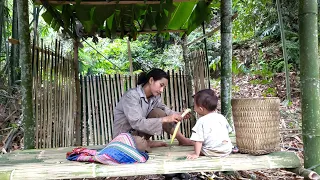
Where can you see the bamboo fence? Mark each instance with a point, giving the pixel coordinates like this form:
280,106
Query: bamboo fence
53,97
200,70
101,93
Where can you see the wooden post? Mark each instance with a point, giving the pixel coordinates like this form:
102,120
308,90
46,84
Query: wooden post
188,70
130,61
78,126
309,75
28,120
226,59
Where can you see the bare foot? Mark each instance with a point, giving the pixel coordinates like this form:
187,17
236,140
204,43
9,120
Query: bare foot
157,144
186,142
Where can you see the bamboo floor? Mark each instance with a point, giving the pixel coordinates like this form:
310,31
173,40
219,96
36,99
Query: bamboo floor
52,164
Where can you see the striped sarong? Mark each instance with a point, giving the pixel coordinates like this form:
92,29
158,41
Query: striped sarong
121,150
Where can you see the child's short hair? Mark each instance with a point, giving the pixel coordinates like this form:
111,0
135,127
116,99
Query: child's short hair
206,98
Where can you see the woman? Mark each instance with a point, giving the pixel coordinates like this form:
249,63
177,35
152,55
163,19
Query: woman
141,112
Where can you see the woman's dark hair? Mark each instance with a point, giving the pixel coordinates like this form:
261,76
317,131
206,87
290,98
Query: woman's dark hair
206,98
156,74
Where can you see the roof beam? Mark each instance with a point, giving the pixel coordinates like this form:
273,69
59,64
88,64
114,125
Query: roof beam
108,2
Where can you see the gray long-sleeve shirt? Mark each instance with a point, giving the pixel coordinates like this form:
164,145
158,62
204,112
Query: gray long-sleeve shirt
132,110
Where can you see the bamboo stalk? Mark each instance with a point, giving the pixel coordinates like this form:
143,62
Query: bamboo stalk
101,107
83,110
45,93
96,108
91,139
60,97
63,119
56,72
110,105
306,173
94,119
37,97
106,108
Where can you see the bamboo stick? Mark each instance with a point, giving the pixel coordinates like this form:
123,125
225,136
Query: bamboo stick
93,107
73,106
96,108
60,111
56,73
36,97
106,108
45,93
91,139
172,105
101,107
67,118
64,70
110,105
306,173
84,111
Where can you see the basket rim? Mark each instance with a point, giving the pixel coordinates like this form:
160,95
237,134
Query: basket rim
255,98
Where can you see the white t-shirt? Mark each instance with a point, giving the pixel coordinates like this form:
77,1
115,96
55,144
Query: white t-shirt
212,129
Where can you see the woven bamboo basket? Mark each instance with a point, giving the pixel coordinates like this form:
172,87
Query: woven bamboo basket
256,122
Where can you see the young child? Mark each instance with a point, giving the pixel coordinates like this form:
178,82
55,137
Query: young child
211,130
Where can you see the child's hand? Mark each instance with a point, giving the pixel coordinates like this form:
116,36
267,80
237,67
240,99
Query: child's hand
192,156
187,116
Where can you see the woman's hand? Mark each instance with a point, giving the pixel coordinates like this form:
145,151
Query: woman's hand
172,118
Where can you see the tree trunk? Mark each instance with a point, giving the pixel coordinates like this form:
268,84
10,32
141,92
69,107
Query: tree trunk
284,50
78,94
226,59
26,74
309,75
14,58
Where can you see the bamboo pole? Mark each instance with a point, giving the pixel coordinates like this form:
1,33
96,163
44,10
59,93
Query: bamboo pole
309,62
84,112
36,97
106,101
93,106
284,50
45,94
306,173
49,126
41,116
226,59
90,112
78,93
26,74
100,107
110,104
60,97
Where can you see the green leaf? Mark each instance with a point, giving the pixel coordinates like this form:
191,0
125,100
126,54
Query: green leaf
200,14
181,15
87,25
47,17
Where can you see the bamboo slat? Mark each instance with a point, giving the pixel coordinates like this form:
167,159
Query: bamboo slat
90,130
51,163
106,110
110,105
